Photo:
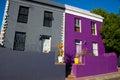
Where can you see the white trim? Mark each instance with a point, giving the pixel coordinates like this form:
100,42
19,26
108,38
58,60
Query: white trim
78,47
79,23
95,28
82,13
46,45
95,48
63,33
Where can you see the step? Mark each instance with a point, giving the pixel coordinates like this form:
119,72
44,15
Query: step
108,76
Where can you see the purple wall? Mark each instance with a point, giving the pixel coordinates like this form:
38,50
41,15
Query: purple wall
94,65
84,35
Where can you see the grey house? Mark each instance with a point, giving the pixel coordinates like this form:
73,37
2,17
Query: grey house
32,25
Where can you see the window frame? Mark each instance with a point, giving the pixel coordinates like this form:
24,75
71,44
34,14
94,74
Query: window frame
43,38
17,40
95,48
78,42
23,14
48,19
77,24
93,28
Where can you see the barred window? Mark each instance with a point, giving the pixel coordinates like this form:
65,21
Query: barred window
19,41
93,28
48,17
23,14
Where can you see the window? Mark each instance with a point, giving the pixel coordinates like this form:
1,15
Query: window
95,48
78,45
23,14
93,28
19,41
46,43
77,25
48,17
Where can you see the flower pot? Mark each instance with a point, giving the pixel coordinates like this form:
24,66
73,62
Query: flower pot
60,59
76,60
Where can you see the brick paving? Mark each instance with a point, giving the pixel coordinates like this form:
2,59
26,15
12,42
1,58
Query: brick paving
108,76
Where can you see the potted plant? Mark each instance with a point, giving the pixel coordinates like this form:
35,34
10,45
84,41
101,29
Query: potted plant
78,56
60,52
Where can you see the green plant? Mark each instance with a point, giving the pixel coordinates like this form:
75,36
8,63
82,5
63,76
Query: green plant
84,51
91,54
79,54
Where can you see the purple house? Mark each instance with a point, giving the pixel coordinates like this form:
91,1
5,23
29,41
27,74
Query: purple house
82,32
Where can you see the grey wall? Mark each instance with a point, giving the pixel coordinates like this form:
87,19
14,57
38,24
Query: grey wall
16,65
34,27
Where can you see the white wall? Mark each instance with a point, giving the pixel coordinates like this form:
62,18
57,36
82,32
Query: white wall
34,28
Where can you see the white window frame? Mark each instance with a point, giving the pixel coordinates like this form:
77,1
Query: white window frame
80,47
95,28
78,23
46,43
95,48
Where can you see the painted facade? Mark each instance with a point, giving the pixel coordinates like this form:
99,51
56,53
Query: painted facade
39,25
82,32
85,34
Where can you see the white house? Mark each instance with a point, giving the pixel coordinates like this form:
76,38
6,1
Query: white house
32,25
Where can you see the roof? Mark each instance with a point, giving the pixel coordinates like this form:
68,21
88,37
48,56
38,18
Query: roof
48,3
68,9
83,13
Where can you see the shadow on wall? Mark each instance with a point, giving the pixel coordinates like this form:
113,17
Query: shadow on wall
20,65
69,61
1,46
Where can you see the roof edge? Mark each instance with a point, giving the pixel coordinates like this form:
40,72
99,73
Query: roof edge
77,10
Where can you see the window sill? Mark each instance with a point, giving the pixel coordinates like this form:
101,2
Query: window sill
56,63
79,64
47,26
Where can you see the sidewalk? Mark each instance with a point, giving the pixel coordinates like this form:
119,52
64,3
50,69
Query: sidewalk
108,76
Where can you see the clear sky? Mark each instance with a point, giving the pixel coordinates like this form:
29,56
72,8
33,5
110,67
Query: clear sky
2,6
109,5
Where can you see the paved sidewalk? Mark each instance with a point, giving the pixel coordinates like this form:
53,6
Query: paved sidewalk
108,76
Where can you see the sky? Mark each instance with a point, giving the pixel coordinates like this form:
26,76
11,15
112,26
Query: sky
109,5
2,6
